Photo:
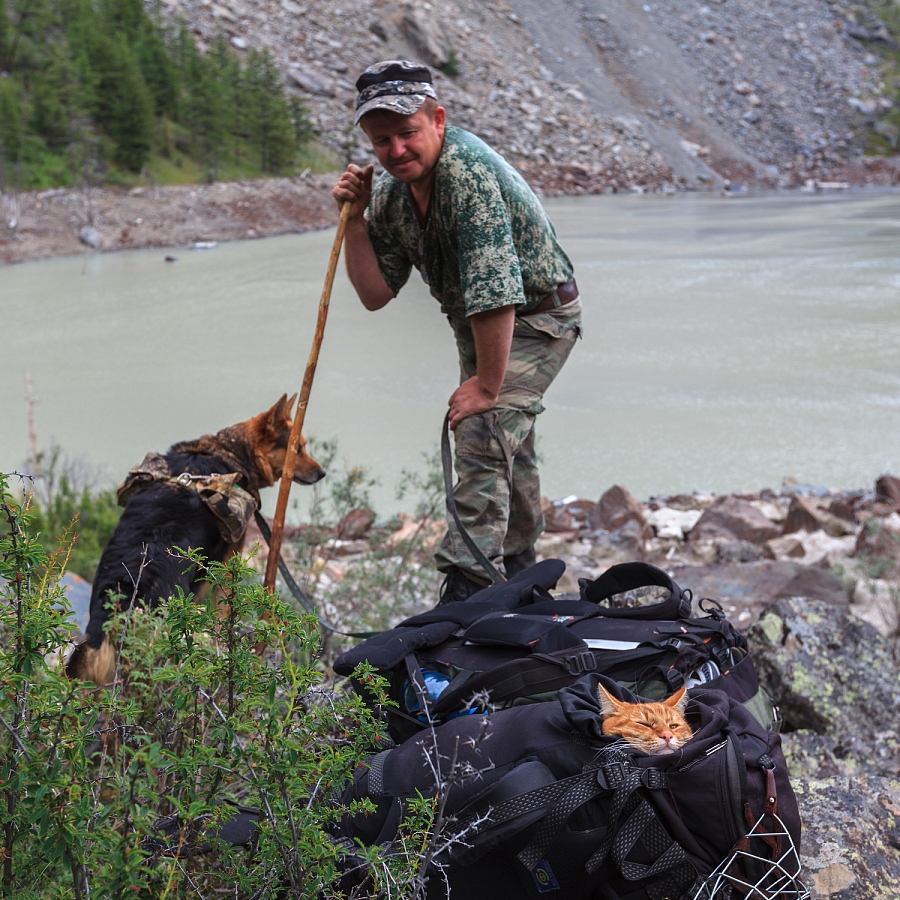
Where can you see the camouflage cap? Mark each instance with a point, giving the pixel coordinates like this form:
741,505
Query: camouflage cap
395,84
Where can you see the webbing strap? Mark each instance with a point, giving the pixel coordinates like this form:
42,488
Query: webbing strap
447,464
523,803
644,825
630,783
585,788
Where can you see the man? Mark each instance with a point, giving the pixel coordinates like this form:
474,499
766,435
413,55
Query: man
457,211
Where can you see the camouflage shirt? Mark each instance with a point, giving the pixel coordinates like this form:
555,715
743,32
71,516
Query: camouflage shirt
487,241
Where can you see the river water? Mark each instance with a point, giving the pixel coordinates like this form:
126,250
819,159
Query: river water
728,343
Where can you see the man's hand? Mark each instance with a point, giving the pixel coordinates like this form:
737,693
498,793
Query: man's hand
469,399
355,185
493,331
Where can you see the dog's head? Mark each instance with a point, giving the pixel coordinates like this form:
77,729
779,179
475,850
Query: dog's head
267,437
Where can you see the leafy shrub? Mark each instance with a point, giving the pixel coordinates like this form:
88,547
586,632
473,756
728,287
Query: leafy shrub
195,720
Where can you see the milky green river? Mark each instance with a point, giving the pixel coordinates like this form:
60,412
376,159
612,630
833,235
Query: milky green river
728,343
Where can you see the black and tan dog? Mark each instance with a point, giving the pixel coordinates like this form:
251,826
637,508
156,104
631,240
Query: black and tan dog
200,494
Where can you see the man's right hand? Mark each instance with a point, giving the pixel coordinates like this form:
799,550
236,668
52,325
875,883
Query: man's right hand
354,185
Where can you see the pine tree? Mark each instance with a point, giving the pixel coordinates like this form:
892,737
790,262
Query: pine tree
10,119
271,128
158,69
132,123
124,16
55,99
31,19
5,35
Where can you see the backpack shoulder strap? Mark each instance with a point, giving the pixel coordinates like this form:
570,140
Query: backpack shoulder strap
628,577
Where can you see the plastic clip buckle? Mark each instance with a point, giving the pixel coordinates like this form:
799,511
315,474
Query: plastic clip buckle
611,776
580,663
655,779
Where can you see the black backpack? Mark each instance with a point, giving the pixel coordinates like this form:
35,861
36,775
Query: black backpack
553,806
512,644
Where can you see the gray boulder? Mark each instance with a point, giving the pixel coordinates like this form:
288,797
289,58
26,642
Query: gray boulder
311,82
90,236
850,840
837,684
425,36
746,589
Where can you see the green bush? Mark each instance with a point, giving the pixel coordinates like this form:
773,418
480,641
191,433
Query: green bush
65,507
195,719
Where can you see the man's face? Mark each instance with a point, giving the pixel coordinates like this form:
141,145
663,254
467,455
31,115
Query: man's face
407,146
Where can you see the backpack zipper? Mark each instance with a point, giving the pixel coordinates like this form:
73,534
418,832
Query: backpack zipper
700,759
731,784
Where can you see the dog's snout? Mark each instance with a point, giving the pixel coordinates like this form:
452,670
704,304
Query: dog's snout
310,478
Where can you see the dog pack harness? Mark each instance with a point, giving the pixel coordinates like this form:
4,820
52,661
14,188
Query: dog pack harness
232,505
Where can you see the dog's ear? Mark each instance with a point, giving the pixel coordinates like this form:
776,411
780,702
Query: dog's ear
289,405
279,416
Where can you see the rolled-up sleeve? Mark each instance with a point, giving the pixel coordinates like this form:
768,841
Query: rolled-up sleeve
393,263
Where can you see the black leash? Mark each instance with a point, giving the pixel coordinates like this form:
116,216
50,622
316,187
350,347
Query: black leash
447,464
297,591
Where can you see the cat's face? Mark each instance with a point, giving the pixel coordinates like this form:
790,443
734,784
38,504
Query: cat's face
654,727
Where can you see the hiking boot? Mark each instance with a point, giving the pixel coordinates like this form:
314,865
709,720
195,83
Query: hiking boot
518,562
457,586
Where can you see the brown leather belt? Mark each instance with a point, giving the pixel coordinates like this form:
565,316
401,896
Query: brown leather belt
564,294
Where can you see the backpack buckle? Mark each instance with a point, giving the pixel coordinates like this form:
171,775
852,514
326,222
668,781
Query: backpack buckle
579,663
611,775
675,678
655,779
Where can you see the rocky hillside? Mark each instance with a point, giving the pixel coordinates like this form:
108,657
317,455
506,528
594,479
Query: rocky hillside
592,95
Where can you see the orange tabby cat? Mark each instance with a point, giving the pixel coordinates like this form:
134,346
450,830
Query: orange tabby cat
654,727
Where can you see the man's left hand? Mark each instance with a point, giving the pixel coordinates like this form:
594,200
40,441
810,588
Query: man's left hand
469,399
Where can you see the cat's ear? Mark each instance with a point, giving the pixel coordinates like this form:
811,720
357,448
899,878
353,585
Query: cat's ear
678,699
608,703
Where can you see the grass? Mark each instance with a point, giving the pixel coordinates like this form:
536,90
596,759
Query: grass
46,169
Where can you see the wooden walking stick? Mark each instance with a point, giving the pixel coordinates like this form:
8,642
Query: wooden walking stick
287,475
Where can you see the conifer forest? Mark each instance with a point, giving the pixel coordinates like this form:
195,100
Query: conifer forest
98,91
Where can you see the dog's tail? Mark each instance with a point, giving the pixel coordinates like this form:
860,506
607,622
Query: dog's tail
96,664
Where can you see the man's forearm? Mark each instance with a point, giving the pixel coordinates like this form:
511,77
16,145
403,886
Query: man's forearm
493,332
362,267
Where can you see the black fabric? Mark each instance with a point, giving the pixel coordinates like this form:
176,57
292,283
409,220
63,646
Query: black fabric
518,562
394,73
464,614
514,643
520,588
387,650
530,633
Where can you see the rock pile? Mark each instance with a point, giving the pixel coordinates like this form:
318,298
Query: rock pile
745,549
502,92
793,88
794,84
59,222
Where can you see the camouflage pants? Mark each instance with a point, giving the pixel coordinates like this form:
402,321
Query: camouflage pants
498,494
